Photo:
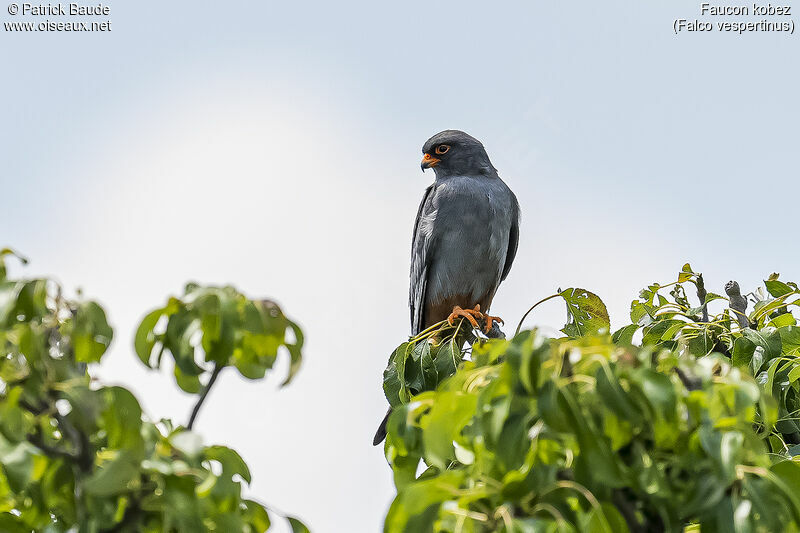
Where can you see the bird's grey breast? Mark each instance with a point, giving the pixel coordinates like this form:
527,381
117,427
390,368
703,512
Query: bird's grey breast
468,223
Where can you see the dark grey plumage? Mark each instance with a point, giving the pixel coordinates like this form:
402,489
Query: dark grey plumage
465,235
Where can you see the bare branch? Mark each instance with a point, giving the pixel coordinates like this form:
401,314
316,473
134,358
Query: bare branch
206,390
738,303
701,295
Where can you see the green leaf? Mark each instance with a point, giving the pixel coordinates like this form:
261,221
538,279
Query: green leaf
724,448
219,322
114,475
685,274
660,392
447,357
146,338
17,462
786,319
430,377
416,507
710,297
789,473
297,526
788,476
187,383
10,523
256,516
91,334
444,423
394,383
606,519
181,507
790,339
615,397
624,335
743,350
123,420
768,338
232,465
778,288
586,313
247,360
641,313
295,353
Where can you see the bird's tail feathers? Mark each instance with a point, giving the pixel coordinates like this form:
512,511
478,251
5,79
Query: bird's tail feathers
381,433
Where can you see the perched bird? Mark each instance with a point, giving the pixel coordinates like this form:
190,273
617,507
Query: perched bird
465,237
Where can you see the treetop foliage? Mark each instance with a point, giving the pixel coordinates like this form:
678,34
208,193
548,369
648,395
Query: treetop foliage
686,418
694,426
80,456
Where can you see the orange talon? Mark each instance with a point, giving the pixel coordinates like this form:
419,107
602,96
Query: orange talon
489,320
469,314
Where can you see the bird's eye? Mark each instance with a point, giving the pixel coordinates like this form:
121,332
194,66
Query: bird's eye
442,149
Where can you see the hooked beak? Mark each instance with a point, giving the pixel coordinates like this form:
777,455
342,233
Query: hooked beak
428,161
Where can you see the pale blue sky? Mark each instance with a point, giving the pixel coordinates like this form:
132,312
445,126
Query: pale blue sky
276,146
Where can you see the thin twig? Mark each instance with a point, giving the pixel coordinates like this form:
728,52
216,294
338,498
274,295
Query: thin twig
82,456
83,448
543,300
34,409
206,390
628,510
690,382
51,451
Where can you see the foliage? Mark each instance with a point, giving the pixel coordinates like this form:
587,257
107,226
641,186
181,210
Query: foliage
80,456
765,342
221,326
693,428
586,312
432,355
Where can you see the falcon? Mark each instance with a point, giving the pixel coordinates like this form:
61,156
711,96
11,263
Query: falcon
465,237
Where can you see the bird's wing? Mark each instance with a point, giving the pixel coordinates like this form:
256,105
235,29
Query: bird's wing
420,258
513,239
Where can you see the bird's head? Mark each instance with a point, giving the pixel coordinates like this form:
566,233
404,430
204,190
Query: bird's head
453,152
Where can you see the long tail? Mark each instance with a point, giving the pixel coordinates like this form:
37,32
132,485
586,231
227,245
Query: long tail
381,433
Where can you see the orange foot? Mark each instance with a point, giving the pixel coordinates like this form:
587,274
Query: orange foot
469,314
489,320
473,315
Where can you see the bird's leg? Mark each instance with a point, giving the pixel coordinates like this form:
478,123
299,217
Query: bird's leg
489,320
469,314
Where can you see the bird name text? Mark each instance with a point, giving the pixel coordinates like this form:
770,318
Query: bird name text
745,10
